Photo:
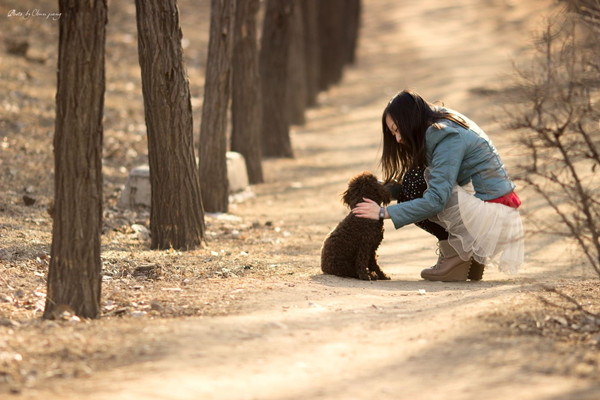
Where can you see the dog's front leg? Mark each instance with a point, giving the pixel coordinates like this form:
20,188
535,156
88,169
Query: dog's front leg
363,256
376,269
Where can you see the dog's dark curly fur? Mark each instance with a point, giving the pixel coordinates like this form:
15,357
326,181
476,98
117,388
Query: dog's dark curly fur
350,249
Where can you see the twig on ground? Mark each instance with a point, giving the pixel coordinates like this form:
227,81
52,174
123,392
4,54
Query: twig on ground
570,299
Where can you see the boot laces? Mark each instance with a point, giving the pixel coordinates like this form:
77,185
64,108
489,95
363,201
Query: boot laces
438,252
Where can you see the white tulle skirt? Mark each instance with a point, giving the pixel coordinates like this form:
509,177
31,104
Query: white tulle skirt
491,233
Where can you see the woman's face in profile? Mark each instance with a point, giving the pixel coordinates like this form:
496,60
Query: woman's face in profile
393,128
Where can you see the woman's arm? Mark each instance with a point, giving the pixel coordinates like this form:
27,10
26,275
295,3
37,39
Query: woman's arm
446,149
394,189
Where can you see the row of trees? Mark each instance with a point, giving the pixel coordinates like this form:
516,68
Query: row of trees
304,46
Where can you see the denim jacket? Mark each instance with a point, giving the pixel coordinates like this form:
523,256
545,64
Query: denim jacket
455,155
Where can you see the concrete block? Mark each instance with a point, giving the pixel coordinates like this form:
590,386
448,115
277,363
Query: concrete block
137,189
237,174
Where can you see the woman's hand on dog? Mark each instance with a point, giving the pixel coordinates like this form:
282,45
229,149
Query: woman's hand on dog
368,209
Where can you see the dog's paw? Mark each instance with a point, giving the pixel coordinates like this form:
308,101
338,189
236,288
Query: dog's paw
365,275
379,274
384,277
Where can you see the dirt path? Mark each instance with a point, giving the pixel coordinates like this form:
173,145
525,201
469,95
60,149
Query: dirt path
319,337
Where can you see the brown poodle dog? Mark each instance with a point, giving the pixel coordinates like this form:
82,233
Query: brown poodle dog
349,250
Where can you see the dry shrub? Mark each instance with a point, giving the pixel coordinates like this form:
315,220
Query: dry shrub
557,110
588,11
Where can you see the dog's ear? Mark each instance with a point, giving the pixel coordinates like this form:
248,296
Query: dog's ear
349,196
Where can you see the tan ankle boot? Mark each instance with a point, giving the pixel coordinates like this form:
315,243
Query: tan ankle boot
450,267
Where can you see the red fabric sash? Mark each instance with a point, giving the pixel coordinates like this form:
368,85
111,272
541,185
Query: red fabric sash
511,199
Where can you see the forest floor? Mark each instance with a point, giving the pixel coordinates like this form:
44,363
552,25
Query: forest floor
250,316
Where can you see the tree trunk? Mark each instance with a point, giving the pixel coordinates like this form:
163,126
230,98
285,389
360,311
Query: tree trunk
274,74
176,217
213,138
246,101
351,29
331,33
74,280
312,50
296,90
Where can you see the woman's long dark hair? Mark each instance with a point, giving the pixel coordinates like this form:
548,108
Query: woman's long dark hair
412,115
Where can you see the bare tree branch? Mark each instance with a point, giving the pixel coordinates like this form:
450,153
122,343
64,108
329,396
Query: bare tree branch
558,115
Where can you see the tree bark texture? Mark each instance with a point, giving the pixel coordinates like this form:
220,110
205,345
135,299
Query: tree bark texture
176,216
312,50
351,30
332,39
246,101
296,90
274,74
74,278
217,91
